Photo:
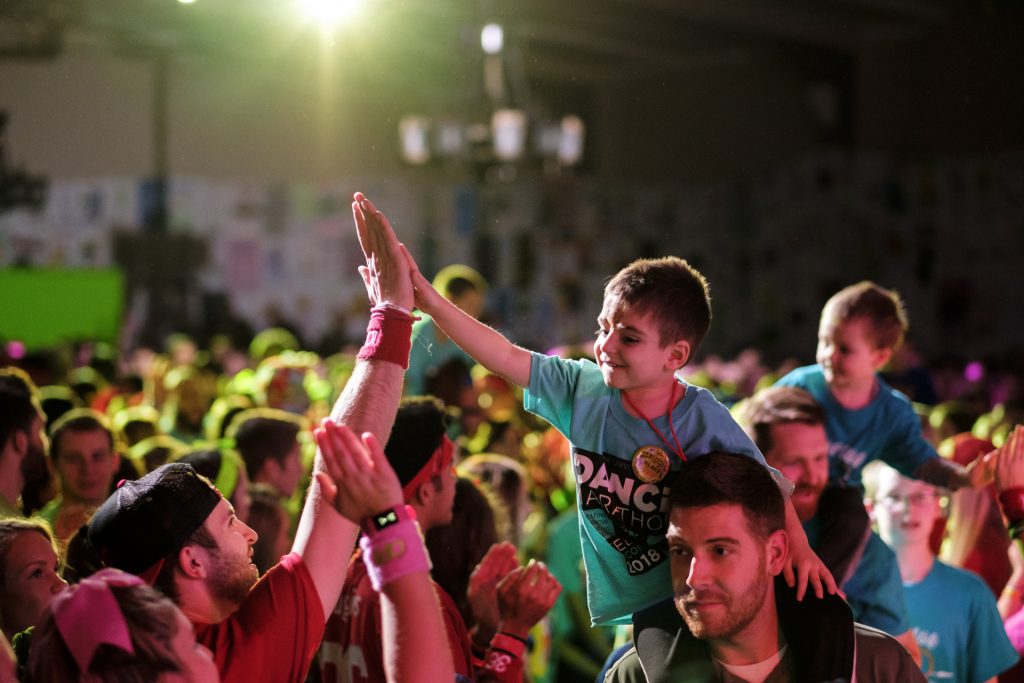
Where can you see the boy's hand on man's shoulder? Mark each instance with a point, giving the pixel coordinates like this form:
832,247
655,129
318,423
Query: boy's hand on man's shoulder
804,568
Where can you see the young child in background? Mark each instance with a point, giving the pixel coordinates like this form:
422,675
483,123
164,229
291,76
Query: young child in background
631,423
865,418
952,612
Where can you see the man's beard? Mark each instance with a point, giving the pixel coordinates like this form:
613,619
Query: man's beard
805,509
232,578
739,610
34,471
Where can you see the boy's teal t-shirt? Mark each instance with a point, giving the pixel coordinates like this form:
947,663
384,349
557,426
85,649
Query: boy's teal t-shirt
957,626
886,429
623,471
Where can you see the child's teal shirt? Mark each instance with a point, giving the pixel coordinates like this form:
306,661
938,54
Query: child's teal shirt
886,429
623,474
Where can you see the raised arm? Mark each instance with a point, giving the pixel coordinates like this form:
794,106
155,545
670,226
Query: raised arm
953,476
361,484
368,403
485,344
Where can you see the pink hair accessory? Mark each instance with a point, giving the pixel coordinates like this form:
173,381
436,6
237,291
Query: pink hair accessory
88,616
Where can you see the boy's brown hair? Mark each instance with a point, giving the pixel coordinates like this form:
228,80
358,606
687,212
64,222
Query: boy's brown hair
880,307
671,290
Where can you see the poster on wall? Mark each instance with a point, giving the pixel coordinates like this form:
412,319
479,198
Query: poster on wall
243,265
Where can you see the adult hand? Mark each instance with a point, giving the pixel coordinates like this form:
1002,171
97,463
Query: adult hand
1009,461
525,596
357,479
803,567
386,273
482,592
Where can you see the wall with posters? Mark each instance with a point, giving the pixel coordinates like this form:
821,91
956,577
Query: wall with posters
948,234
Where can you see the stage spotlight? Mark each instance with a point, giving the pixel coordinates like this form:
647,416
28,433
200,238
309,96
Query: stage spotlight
330,12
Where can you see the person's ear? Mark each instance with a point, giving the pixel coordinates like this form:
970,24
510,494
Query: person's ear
869,505
424,494
777,551
20,441
881,358
192,561
679,353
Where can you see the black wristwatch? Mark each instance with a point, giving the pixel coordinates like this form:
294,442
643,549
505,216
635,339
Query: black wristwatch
382,520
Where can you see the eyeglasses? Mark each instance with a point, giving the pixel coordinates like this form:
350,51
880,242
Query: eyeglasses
913,500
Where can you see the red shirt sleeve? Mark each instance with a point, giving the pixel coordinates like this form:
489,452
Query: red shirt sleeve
273,635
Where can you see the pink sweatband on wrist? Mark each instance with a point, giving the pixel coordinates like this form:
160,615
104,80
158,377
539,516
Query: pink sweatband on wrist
388,336
505,658
1012,502
394,552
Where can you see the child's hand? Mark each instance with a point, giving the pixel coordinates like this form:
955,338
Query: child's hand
804,567
982,472
423,290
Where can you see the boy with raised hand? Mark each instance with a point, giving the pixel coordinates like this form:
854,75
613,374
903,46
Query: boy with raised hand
631,422
865,418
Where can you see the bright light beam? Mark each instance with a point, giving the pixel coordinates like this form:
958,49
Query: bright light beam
330,12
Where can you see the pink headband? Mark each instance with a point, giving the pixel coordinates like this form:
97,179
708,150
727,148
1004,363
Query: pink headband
88,616
440,460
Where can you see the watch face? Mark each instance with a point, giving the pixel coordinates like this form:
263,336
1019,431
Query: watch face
385,519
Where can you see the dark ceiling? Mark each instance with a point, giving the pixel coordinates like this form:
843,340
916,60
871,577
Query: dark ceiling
592,40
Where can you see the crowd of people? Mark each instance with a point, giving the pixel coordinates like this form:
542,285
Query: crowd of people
441,504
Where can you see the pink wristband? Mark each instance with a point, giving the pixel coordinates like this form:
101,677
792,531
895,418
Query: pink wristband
1012,502
394,552
388,336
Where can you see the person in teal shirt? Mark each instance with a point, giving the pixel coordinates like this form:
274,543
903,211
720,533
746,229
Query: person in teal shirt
952,612
431,347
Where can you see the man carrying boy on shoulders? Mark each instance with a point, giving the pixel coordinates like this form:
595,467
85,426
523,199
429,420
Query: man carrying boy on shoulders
631,422
732,619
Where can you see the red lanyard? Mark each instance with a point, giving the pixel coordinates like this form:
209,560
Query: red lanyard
678,450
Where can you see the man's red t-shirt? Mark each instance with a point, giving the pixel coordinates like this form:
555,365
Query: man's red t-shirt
352,650
274,634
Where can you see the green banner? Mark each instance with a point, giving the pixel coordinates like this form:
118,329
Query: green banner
43,307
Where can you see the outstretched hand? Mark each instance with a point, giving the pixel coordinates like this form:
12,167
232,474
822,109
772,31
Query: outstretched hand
386,273
982,471
1009,460
482,592
425,294
357,479
525,596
